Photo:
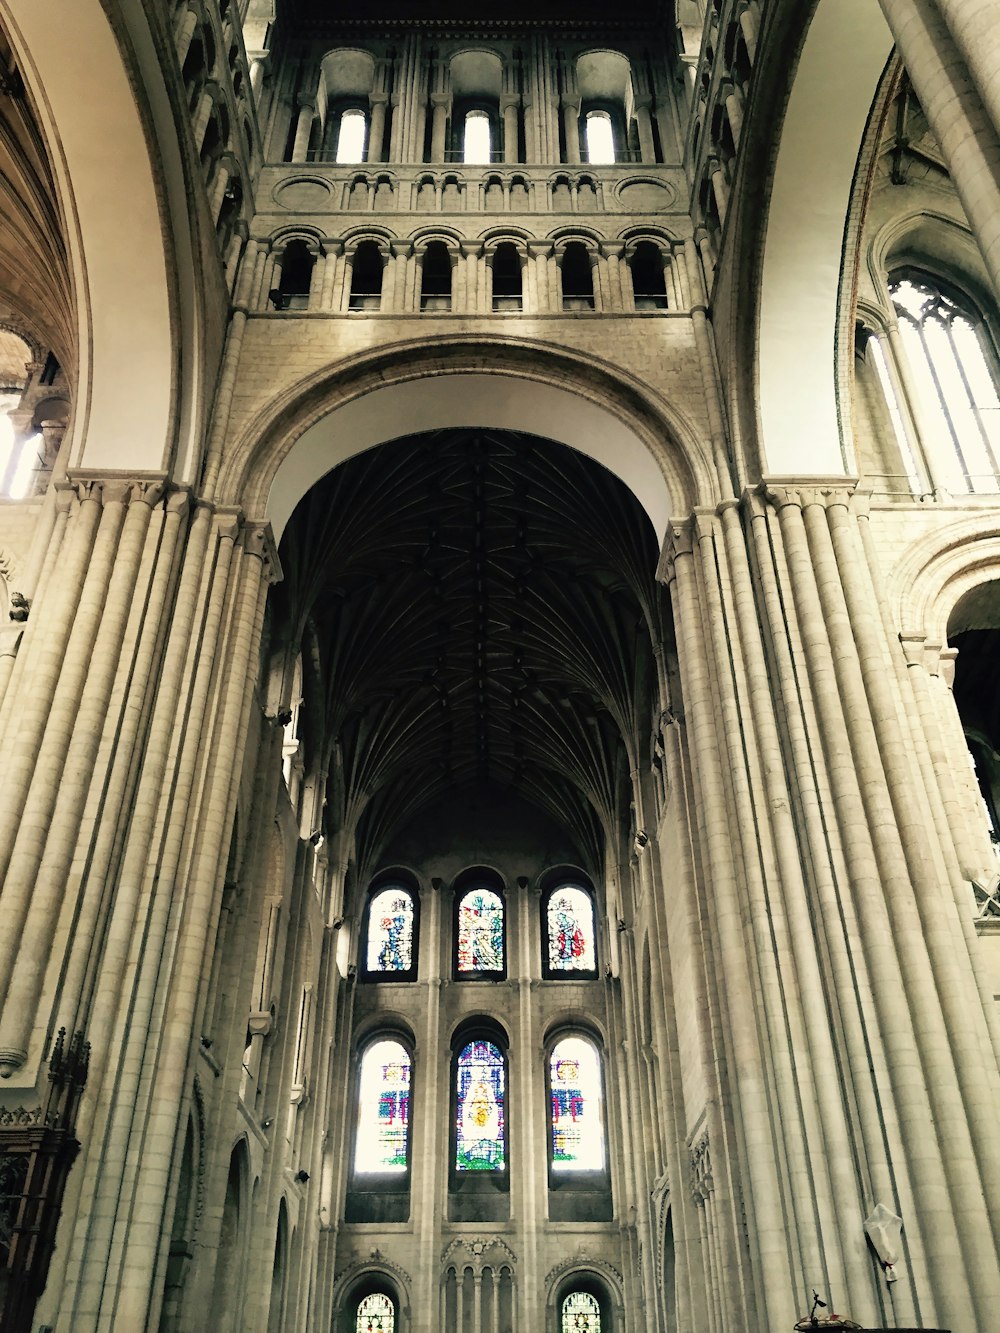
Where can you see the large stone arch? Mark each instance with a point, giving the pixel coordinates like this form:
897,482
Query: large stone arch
844,54
440,383
935,573
136,298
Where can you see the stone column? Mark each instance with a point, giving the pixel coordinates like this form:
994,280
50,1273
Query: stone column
509,109
377,103
440,103
720,188
39,865
618,277
644,124
402,252
961,1269
748,1093
303,129
931,37
174,860
333,250
571,128
258,69
972,24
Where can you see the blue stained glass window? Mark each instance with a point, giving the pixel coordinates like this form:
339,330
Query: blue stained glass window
383,1110
390,931
569,924
376,1314
581,1313
480,932
479,1139
575,1089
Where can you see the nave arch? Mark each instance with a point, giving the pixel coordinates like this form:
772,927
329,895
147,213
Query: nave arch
122,192
442,383
806,253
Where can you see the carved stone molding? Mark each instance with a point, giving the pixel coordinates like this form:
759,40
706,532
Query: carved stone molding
482,1252
20,1117
584,1263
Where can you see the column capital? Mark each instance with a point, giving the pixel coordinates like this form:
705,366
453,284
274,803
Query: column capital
828,492
509,100
258,540
679,542
115,488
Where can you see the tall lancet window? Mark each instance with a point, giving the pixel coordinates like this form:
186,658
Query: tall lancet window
600,137
479,935
576,1114
477,146
390,936
949,349
480,1094
351,138
569,933
376,1314
381,1146
580,1313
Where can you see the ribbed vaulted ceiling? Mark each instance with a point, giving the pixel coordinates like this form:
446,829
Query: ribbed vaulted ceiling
476,606
35,285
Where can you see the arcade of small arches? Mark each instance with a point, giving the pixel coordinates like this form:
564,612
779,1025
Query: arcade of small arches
436,271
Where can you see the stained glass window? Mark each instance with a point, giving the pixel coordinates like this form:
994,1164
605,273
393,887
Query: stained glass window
390,931
479,1137
383,1109
480,932
569,921
581,1313
575,1090
376,1314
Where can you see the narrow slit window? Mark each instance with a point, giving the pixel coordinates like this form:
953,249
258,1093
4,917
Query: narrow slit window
351,137
476,146
600,138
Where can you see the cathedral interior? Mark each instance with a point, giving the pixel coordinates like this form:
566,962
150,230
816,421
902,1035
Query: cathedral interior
499,714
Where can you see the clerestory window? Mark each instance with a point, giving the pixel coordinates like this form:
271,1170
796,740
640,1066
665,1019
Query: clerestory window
599,134
351,136
951,355
480,1097
476,144
382,1141
570,949
389,949
479,935
576,1114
